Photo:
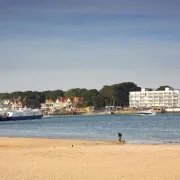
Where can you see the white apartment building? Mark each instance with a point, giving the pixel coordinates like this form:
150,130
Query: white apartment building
145,98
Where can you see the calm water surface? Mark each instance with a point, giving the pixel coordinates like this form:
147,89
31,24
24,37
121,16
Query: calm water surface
161,128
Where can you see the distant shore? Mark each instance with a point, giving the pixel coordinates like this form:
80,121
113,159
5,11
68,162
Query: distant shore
43,159
106,113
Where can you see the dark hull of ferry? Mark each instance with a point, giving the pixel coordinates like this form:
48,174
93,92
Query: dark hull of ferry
21,118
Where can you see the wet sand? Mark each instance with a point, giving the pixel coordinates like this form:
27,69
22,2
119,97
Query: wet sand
56,159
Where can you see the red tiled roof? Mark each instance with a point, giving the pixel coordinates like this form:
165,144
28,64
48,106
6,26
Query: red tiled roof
62,99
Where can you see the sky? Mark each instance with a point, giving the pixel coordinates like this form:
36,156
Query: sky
63,44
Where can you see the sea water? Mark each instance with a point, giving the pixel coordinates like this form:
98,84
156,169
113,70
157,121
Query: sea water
161,128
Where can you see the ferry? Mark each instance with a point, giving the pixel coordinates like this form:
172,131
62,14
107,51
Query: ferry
21,114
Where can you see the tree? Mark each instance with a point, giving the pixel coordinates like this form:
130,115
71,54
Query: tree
75,93
107,93
5,95
162,88
113,95
90,97
53,95
118,94
32,103
16,94
124,89
149,89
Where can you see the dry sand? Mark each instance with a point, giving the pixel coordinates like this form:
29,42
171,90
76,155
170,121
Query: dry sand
45,159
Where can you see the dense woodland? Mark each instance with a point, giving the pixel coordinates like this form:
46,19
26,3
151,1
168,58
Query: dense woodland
109,95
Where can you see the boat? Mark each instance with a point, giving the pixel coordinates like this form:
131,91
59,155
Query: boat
147,112
21,114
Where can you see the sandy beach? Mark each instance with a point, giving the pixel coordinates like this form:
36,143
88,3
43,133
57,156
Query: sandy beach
54,159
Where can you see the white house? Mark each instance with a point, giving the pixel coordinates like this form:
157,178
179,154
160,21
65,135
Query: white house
6,102
4,105
68,104
48,105
59,104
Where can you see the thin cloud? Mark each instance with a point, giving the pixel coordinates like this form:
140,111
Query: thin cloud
152,7
124,55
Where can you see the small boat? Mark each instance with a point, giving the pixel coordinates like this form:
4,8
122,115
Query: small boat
147,112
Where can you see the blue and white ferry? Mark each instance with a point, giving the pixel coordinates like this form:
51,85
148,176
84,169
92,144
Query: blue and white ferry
21,114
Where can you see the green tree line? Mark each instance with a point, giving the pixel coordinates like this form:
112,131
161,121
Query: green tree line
109,95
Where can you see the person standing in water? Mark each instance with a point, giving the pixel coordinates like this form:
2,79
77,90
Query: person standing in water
120,136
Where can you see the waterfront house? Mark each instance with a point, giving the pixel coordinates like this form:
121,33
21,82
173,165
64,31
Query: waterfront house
68,104
12,105
63,102
6,101
48,107
49,104
15,104
4,105
60,103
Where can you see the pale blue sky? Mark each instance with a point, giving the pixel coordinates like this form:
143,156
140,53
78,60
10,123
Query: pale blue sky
77,43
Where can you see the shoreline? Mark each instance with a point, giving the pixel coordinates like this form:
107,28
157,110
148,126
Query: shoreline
66,140
105,113
87,141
